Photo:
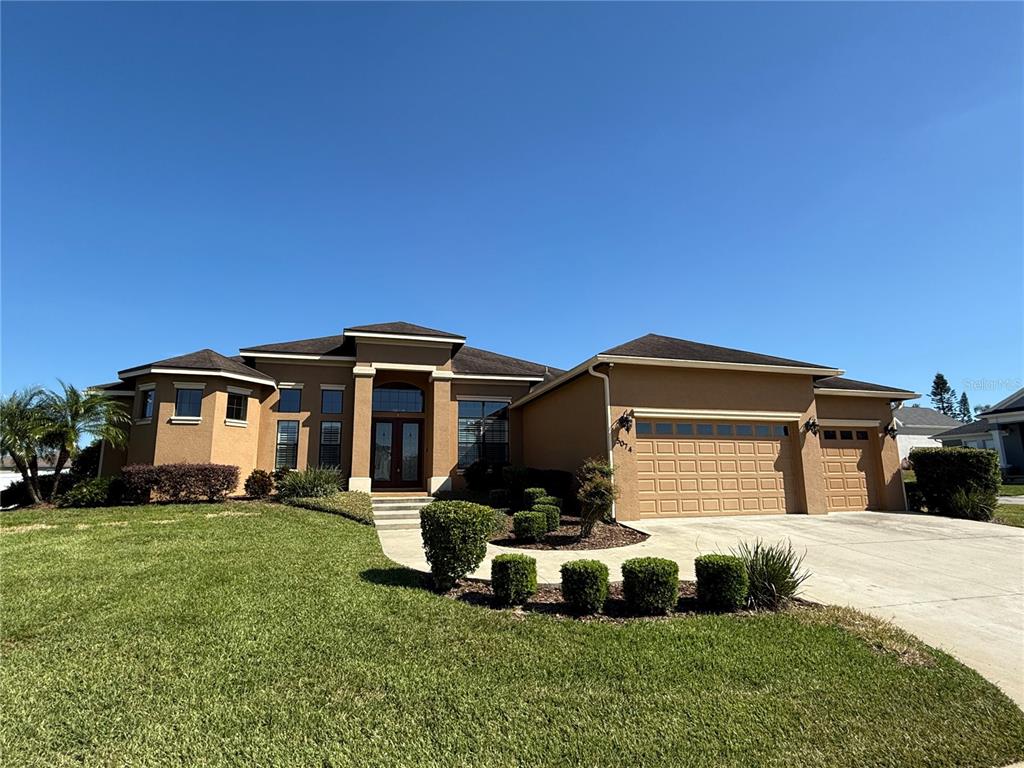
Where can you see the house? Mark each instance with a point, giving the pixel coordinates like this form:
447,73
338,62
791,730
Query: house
1000,428
692,429
918,426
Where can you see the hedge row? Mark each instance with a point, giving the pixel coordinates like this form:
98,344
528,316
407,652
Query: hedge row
179,482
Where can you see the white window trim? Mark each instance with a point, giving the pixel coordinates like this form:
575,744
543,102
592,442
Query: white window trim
235,423
289,385
186,419
176,419
144,387
146,420
190,385
240,391
333,386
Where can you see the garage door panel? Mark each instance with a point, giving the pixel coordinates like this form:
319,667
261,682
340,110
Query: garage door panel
719,474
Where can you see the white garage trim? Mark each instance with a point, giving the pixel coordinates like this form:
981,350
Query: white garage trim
850,422
696,413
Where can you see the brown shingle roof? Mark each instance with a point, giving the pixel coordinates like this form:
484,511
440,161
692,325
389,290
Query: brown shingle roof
481,361
669,348
405,329
321,345
203,360
838,382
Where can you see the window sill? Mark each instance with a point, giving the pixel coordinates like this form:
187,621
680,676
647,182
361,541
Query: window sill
143,421
186,419
235,423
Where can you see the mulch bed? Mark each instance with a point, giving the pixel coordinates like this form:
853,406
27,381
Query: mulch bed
548,601
604,536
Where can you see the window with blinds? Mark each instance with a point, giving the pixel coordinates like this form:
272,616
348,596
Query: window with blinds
483,431
330,444
287,456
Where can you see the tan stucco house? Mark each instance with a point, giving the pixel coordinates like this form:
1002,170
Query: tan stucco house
692,429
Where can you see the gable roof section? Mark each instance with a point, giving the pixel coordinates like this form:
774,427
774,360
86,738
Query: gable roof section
979,427
839,384
660,347
923,421
203,360
1014,402
471,360
401,328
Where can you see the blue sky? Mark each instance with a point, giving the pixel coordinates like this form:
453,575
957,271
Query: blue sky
817,181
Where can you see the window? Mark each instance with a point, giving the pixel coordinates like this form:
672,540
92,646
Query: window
287,456
398,398
862,435
238,404
643,428
290,400
483,431
830,434
147,398
762,430
744,430
705,429
661,428
846,434
188,402
684,429
780,431
331,400
330,442
725,430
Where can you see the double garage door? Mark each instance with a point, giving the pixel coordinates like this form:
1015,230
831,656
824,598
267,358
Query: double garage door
714,468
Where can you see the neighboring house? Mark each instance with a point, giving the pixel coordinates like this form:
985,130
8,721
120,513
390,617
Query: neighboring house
692,429
999,428
918,426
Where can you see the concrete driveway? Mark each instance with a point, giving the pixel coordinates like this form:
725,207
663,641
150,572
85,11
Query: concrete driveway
957,585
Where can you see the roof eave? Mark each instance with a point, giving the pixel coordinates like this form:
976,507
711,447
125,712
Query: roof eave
750,367
888,395
160,370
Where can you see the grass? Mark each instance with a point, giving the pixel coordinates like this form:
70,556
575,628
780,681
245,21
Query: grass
1014,489
1010,514
264,634
354,505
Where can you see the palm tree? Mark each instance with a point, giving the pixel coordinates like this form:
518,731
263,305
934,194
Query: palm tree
71,414
22,428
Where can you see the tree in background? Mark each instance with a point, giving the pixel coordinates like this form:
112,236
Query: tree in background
982,408
943,396
963,411
70,414
22,429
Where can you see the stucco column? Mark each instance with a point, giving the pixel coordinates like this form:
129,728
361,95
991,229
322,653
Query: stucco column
997,439
893,495
441,437
811,466
362,419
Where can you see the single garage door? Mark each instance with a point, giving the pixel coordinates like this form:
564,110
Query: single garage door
713,468
850,466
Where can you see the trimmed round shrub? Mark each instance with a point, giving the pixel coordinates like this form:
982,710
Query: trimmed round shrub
650,584
259,484
552,500
529,526
513,579
311,483
722,582
498,498
88,493
532,496
585,585
455,535
552,515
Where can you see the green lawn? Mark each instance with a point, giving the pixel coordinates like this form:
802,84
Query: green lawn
1017,489
1010,514
197,635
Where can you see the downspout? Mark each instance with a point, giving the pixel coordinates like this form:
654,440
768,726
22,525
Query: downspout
607,418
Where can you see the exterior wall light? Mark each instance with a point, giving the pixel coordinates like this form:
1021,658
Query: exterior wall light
625,422
891,430
811,426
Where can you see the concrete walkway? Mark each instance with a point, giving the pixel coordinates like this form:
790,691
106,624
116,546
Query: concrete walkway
957,585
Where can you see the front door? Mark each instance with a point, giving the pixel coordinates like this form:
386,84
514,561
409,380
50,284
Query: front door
397,453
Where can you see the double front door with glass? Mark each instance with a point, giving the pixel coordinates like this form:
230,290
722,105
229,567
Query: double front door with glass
397,452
